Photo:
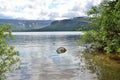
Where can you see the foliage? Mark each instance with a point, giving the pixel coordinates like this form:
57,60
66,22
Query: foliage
105,19
8,56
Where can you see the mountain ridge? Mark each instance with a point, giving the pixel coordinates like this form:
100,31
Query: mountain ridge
20,25
73,24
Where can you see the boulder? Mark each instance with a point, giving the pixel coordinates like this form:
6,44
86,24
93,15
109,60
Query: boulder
61,50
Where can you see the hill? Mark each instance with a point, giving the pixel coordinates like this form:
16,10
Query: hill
78,23
24,25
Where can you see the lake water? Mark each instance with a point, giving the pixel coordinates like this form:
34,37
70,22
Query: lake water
40,61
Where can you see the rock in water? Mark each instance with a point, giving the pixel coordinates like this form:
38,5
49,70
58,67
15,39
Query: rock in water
61,50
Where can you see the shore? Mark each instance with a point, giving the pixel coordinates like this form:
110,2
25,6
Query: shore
108,66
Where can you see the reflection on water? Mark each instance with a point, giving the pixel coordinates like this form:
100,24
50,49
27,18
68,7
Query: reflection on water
40,61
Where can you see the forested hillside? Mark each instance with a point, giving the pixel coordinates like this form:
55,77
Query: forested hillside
74,24
78,23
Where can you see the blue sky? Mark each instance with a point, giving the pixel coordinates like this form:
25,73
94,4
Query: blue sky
44,9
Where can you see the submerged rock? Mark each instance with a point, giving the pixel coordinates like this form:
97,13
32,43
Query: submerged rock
61,50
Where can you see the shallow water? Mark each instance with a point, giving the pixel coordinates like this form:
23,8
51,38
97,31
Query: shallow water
40,61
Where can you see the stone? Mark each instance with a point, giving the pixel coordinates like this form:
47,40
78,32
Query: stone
61,50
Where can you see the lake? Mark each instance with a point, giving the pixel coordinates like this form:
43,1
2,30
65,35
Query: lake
40,61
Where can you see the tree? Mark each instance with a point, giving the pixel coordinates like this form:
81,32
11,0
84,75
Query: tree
8,56
105,20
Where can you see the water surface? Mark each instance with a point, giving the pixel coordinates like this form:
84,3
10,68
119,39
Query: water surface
40,61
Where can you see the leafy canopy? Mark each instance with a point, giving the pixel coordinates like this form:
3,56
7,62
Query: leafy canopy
8,56
105,19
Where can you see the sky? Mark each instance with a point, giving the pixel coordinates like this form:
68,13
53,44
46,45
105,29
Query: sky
45,9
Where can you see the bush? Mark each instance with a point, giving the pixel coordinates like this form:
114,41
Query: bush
105,20
8,56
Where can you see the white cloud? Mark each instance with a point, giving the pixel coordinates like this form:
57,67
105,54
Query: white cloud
45,9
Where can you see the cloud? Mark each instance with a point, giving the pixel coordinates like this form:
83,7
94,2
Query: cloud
4,17
45,9
53,15
70,15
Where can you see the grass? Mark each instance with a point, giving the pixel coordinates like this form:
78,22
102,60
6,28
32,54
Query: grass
109,65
